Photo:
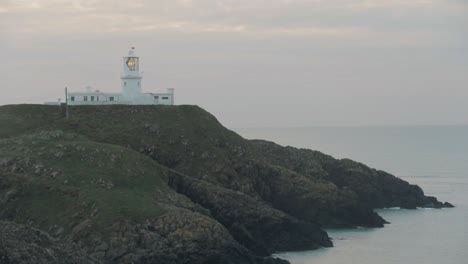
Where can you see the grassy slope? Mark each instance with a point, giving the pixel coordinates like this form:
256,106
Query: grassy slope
91,174
64,178
190,140
18,119
184,138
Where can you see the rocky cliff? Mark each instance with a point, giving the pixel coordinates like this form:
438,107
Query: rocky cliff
170,184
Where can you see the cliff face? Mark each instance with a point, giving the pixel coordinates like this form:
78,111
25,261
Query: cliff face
22,244
169,184
357,189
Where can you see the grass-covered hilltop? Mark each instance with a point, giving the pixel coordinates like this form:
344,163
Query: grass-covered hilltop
170,184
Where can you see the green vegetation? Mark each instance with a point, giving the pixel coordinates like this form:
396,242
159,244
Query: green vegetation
170,184
66,178
18,119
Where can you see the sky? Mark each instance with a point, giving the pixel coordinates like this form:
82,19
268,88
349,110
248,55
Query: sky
250,62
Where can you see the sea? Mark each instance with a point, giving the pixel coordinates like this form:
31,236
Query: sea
433,157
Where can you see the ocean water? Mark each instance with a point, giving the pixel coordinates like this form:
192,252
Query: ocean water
434,157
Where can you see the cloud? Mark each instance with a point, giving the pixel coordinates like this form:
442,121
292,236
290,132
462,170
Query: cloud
354,19
319,54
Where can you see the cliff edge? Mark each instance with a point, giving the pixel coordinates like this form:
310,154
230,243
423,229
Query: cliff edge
170,184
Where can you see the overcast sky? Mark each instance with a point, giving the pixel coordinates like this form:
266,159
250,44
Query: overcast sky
250,62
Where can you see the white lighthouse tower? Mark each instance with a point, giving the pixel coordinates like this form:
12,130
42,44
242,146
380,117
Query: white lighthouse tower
131,78
132,93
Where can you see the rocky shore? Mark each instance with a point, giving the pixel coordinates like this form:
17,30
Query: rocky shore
170,184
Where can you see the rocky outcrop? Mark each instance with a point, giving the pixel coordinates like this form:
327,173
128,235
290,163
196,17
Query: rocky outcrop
374,188
116,215
312,200
180,236
172,185
252,222
20,244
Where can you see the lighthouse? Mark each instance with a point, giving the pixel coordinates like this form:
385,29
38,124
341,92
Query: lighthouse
131,89
131,77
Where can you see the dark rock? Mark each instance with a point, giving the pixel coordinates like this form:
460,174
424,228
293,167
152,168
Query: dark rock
448,205
102,247
271,260
258,226
177,237
20,244
371,188
237,200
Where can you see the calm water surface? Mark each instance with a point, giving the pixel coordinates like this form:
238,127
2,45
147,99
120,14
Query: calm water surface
435,158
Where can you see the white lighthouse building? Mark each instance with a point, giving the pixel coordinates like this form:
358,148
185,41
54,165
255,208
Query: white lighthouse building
132,93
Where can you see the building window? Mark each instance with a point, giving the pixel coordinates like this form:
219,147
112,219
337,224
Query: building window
111,98
125,83
138,84
164,97
97,98
156,97
85,98
92,98
72,98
